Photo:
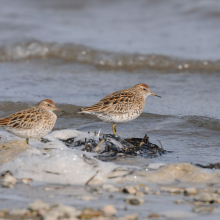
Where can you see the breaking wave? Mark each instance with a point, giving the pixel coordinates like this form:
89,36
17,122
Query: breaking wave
102,59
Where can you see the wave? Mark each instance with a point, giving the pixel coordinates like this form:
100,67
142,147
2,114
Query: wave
203,122
107,60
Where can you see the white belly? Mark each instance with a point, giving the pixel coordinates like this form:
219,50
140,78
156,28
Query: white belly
36,132
119,118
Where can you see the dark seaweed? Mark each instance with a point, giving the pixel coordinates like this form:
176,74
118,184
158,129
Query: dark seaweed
130,146
210,166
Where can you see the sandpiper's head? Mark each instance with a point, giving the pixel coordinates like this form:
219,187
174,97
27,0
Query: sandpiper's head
144,90
48,104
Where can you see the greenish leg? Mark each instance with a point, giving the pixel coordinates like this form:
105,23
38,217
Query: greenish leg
114,129
27,141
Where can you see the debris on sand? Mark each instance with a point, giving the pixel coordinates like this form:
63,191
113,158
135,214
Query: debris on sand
210,166
109,146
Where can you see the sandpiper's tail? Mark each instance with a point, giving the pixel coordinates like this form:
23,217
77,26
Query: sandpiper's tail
90,110
4,121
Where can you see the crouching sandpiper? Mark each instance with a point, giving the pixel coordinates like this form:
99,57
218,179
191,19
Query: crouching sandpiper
121,106
35,122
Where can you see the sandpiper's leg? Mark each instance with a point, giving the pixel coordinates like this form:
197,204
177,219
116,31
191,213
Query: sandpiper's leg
114,129
27,140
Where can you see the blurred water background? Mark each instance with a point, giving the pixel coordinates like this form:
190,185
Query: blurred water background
77,51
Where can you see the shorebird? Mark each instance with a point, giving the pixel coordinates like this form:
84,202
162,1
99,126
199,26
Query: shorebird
34,122
121,106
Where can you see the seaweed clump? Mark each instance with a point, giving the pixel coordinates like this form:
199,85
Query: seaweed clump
210,166
109,146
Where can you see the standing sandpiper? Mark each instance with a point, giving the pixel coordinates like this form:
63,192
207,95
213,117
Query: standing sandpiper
121,106
34,122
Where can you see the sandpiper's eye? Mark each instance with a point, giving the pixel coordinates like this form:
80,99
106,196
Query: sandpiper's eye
48,104
144,88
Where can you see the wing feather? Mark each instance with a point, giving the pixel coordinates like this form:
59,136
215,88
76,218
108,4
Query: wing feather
25,119
119,102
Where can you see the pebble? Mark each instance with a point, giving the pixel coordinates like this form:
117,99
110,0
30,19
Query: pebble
147,189
204,209
217,191
9,182
129,217
206,197
87,198
131,189
109,210
58,211
190,191
134,200
89,213
38,205
174,190
154,215
3,213
26,180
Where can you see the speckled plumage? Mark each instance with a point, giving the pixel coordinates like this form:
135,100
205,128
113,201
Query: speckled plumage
121,106
34,122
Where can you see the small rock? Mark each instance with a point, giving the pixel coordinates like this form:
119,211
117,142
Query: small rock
20,212
174,190
60,211
129,217
147,189
26,180
89,213
204,209
134,200
190,191
7,172
206,197
3,213
87,198
131,189
217,191
109,210
38,205
9,182
154,215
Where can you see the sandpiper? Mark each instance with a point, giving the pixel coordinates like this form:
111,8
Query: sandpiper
34,122
121,106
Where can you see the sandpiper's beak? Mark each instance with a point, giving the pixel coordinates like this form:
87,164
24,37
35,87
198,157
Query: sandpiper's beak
57,109
155,94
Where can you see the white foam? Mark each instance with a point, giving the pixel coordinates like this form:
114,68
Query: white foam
60,165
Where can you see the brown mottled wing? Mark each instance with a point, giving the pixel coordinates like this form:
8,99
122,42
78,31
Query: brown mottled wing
118,102
25,119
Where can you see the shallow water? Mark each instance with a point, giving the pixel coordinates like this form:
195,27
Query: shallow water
185,120
76,52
